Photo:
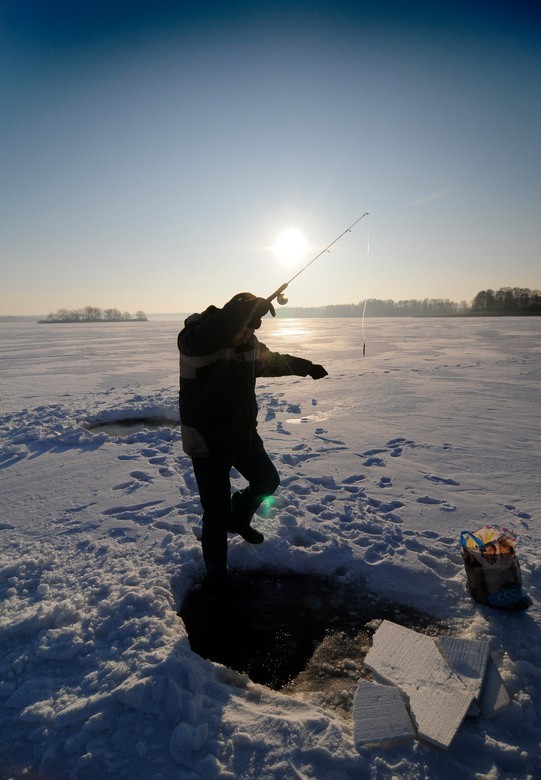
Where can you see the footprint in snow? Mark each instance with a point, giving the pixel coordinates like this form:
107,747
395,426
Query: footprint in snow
294,460
445,506
167,471
373,461
293,409
123,486
139,480
139,513
10,458
441,566
353,478
307,539
414,545
385,482
397,445
522,515
441,480
141,476
382,507
390,506
316,509
429,500
378,552
400,441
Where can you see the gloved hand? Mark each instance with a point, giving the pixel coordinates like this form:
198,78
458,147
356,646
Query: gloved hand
317,372
257,309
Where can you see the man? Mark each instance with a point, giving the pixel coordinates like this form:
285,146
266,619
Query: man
220,358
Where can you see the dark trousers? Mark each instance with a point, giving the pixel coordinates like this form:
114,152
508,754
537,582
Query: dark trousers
222,511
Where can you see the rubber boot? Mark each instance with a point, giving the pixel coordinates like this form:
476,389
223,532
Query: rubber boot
240,521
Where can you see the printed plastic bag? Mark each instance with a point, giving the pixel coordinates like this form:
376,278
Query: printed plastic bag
492,568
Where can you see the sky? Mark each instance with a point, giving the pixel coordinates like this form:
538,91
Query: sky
151,153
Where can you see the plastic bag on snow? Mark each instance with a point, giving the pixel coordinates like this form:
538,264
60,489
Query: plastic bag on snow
492,568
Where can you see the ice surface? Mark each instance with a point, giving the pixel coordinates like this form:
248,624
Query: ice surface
97,543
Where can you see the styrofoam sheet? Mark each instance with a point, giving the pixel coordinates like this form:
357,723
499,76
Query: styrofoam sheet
380,715
438,699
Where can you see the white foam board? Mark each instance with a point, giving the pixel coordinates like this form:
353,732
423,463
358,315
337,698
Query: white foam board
469,659
380,715
494,697
438,699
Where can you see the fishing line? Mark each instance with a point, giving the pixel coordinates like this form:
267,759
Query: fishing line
366,290
279,293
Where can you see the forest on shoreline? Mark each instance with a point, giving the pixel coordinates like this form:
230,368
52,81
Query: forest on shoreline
93,314
506,302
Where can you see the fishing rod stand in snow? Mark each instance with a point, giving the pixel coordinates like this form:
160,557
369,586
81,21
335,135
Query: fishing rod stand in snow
279,293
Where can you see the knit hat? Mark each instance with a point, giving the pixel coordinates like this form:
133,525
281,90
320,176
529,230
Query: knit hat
259,309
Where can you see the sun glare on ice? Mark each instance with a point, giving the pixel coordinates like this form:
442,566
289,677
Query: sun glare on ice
290,247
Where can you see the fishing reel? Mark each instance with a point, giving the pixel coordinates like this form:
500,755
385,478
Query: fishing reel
278,295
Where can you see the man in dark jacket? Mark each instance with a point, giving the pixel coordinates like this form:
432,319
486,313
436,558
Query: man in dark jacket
220,359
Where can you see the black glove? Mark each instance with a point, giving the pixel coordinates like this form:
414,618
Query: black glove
257,309
317,372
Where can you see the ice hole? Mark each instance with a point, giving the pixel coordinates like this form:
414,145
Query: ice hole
301,634
127,425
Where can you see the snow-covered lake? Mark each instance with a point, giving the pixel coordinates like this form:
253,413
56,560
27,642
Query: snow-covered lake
383,464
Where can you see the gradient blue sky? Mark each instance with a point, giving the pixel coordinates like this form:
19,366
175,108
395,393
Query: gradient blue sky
150,152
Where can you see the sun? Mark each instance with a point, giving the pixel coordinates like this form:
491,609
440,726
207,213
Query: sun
290,247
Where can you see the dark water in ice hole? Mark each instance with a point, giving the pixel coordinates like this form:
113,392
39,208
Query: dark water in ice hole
297,633
126,425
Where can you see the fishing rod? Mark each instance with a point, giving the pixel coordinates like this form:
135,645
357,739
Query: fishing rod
279,293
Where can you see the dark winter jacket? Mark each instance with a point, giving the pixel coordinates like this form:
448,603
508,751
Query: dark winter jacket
218,409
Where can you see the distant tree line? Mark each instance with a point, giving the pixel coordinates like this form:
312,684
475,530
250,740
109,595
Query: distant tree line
508,301
511,301
93,314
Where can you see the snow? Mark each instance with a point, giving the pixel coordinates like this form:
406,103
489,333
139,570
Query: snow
383,464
